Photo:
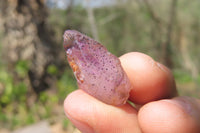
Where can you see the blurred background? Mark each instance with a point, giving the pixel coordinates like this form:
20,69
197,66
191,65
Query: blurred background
35,77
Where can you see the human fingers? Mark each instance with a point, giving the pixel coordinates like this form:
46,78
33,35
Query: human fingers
177,115
150,80
90,115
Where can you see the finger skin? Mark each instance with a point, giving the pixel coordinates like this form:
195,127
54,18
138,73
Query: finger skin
165,116
93,116
178,115
150,80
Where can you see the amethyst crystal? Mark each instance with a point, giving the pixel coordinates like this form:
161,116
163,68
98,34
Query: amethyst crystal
98,72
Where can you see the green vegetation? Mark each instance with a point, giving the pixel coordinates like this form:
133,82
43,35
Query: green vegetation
16,99
182,76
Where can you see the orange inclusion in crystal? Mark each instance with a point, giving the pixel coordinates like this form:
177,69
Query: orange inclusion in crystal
76,70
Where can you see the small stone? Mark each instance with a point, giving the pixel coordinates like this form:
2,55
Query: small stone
89,59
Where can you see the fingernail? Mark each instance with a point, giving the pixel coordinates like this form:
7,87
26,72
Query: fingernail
83,127
160,66
184,104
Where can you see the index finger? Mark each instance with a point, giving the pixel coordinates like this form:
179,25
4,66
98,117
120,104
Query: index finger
150,80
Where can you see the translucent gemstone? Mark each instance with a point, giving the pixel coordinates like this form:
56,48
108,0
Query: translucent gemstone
98,72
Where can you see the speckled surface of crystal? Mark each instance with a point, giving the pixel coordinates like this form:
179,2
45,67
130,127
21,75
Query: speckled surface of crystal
98,72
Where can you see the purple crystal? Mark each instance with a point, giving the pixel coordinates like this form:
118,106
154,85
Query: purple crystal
98,72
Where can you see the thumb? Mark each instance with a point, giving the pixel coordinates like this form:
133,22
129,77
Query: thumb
177,115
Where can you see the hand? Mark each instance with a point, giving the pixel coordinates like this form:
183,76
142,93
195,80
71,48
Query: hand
154,91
